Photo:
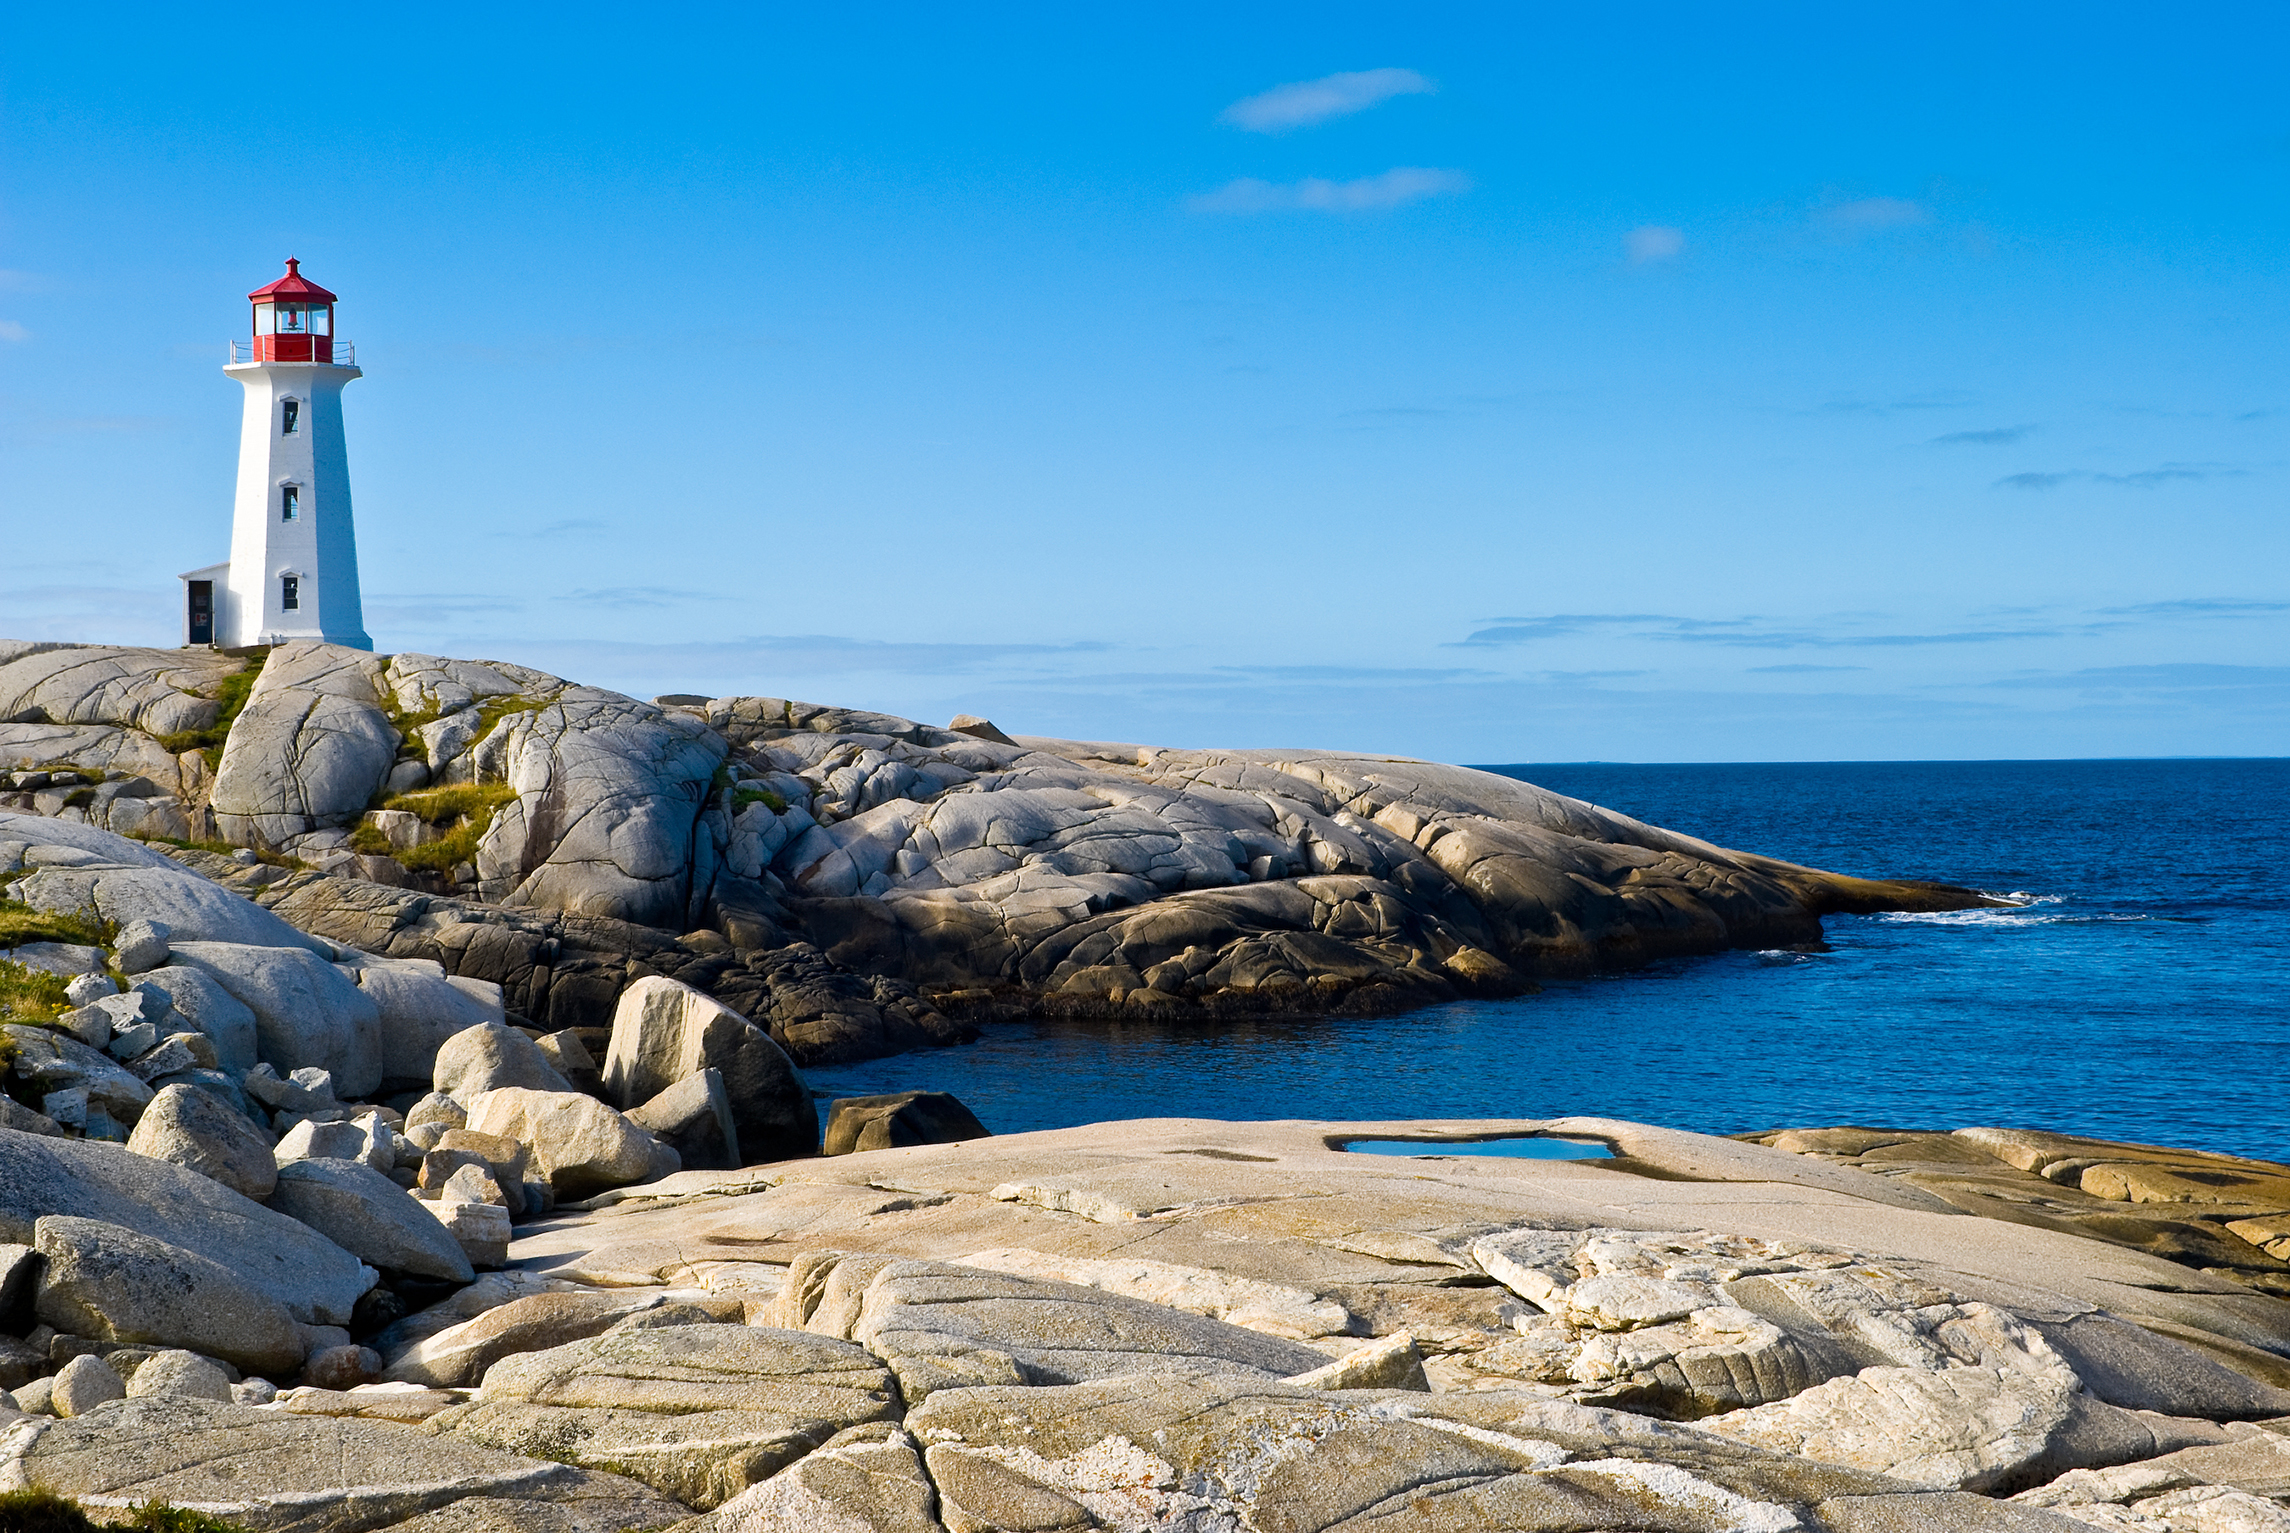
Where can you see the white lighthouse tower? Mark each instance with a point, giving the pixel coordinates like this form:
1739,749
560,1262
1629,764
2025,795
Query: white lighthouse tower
293,570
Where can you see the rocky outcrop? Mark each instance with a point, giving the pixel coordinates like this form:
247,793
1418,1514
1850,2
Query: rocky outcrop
859,879
664,1032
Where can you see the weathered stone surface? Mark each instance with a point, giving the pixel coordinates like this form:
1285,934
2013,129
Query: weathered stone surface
698,1411
309,748
896,1120
608,790
420,1009
342,1367
199,1000
480,1228
1393,1362
1273,1308
308,1013
180,1373
694,1118
370,1216
111,1283
290,1473
664,1032
944,1326
1178,1448
487,1056
579,1145
867,1478
189,1128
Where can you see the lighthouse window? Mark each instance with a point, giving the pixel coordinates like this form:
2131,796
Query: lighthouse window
289,502
292,319
290,592
290,417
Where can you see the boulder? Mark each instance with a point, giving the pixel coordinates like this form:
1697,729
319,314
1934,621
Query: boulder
578,1144
343,1367
141,945
303,1474
180,1373
896,1120
308,750
420,1009
1390,1362
191,1129
52,1063
197,998
436,1107
663,1031
565,1050
457,1357
370,1216
87,989
481,1229
84,1383
941,1326
308,1013
604,820
699,1412
194,909
694,1118
113,1284
488,1056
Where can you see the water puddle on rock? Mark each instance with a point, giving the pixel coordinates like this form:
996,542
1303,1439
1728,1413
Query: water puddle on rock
1517,1147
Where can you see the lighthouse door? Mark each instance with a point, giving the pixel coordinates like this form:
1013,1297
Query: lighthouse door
202,612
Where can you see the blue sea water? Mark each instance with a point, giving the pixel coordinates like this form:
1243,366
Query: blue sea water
2142,993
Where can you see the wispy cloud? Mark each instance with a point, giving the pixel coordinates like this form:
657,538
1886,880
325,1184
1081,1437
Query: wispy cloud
1870,215
1651,243
1394,188
628,597
1800,669
1754,632
10,330
574,524
1304,103
2156,678
2200,607
2144,479
1940,399
1996,436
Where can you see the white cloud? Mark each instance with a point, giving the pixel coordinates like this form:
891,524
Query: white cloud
1649,243
11,331
1306,102
1399,185
1872,215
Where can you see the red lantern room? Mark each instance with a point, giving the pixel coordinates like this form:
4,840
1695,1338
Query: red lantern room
293,319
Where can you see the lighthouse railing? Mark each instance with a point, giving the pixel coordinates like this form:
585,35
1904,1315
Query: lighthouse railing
242,352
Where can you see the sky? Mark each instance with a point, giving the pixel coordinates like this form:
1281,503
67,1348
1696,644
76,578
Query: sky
1499,384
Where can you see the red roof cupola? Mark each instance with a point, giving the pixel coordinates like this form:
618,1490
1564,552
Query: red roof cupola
293,319
293,287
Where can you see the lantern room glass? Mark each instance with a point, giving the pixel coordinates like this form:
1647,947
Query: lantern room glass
293,319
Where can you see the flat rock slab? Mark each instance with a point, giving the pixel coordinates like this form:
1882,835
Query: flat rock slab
1187,1449
941,1326
283,1473
699,1412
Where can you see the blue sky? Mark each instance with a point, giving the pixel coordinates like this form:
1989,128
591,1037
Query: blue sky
1511,383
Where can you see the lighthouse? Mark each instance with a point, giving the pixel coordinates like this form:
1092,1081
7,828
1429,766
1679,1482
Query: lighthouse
293,570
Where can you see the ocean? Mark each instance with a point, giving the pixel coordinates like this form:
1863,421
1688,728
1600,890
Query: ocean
2142,993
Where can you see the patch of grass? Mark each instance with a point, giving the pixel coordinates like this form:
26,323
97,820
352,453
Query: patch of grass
744,796
494,709
20,923
462,811
232,693
79,798
29,995
43,1511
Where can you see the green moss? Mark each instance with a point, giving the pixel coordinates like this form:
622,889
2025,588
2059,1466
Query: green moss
494,709
43,1511
231,692
79,798
750,794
